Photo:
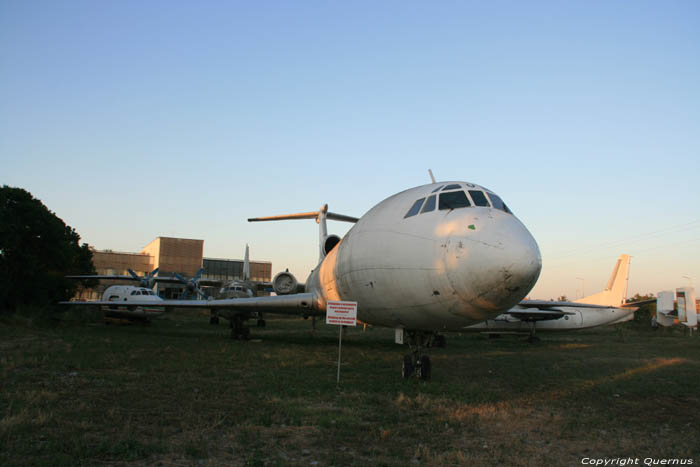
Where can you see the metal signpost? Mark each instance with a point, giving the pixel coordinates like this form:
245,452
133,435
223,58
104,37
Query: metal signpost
341,314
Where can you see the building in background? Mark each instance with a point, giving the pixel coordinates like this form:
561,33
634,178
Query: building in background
182,255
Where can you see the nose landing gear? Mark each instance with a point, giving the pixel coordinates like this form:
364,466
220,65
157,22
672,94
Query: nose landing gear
418,362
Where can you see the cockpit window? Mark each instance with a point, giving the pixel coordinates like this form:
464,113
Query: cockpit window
451,187
134,292
429,204
453,200
415,208
478,197
437,189
498,203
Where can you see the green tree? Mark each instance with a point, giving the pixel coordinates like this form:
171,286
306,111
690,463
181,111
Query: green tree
646,305
37,251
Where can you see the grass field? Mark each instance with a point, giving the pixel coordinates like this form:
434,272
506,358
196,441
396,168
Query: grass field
180,392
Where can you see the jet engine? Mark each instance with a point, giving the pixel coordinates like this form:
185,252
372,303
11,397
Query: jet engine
284,283
329,243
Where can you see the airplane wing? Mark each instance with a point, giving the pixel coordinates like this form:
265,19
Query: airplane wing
542,310
536,314
547,305
296,304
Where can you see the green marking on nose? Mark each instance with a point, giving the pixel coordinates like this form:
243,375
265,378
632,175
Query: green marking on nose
471,227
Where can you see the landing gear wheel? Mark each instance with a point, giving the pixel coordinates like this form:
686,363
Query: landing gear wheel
533,339
424,368
213,320
261,323
407,368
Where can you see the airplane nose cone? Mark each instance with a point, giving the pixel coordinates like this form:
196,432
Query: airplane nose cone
495,264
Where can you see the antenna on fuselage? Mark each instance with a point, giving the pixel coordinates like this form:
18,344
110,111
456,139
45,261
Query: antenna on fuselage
321,215
430,172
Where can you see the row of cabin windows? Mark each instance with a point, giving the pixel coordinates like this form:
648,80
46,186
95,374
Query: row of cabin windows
455,199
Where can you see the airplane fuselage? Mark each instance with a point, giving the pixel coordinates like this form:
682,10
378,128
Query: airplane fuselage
123,295
582,318
238,289
440,266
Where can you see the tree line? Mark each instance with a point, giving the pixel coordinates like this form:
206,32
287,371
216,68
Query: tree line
37,251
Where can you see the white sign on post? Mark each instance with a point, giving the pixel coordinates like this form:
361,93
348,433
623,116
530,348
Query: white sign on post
341,313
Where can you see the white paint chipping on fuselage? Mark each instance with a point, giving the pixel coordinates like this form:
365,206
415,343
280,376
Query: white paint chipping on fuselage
440,270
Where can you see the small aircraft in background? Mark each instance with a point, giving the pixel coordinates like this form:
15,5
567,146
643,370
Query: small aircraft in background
117,302
604,308
433,258
241,288
236,288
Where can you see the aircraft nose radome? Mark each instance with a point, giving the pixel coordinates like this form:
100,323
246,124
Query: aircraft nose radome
495,267
524,266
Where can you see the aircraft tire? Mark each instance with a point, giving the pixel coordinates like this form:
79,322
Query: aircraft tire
407,367
261,323
214,320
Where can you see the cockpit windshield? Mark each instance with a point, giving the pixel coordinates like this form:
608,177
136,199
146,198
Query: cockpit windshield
429,204
453,200
478,197
498,203
415,208
448,200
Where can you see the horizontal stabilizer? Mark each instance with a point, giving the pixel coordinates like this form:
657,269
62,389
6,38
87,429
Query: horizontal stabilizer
307,215
549,305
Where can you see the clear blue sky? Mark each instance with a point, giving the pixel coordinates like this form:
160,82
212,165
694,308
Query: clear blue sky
132,120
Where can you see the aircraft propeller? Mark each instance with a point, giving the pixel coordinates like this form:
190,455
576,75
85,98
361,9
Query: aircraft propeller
145,281
191,285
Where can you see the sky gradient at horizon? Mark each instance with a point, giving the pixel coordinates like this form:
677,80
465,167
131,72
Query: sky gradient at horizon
133,120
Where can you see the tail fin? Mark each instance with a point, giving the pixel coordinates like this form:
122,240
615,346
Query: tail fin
321,215
616,290
246,265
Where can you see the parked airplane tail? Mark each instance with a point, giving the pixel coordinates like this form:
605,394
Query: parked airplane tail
616,290
246,265
326,242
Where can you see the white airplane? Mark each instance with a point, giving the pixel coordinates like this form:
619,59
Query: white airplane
604,308
437,257
241,288
119,301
